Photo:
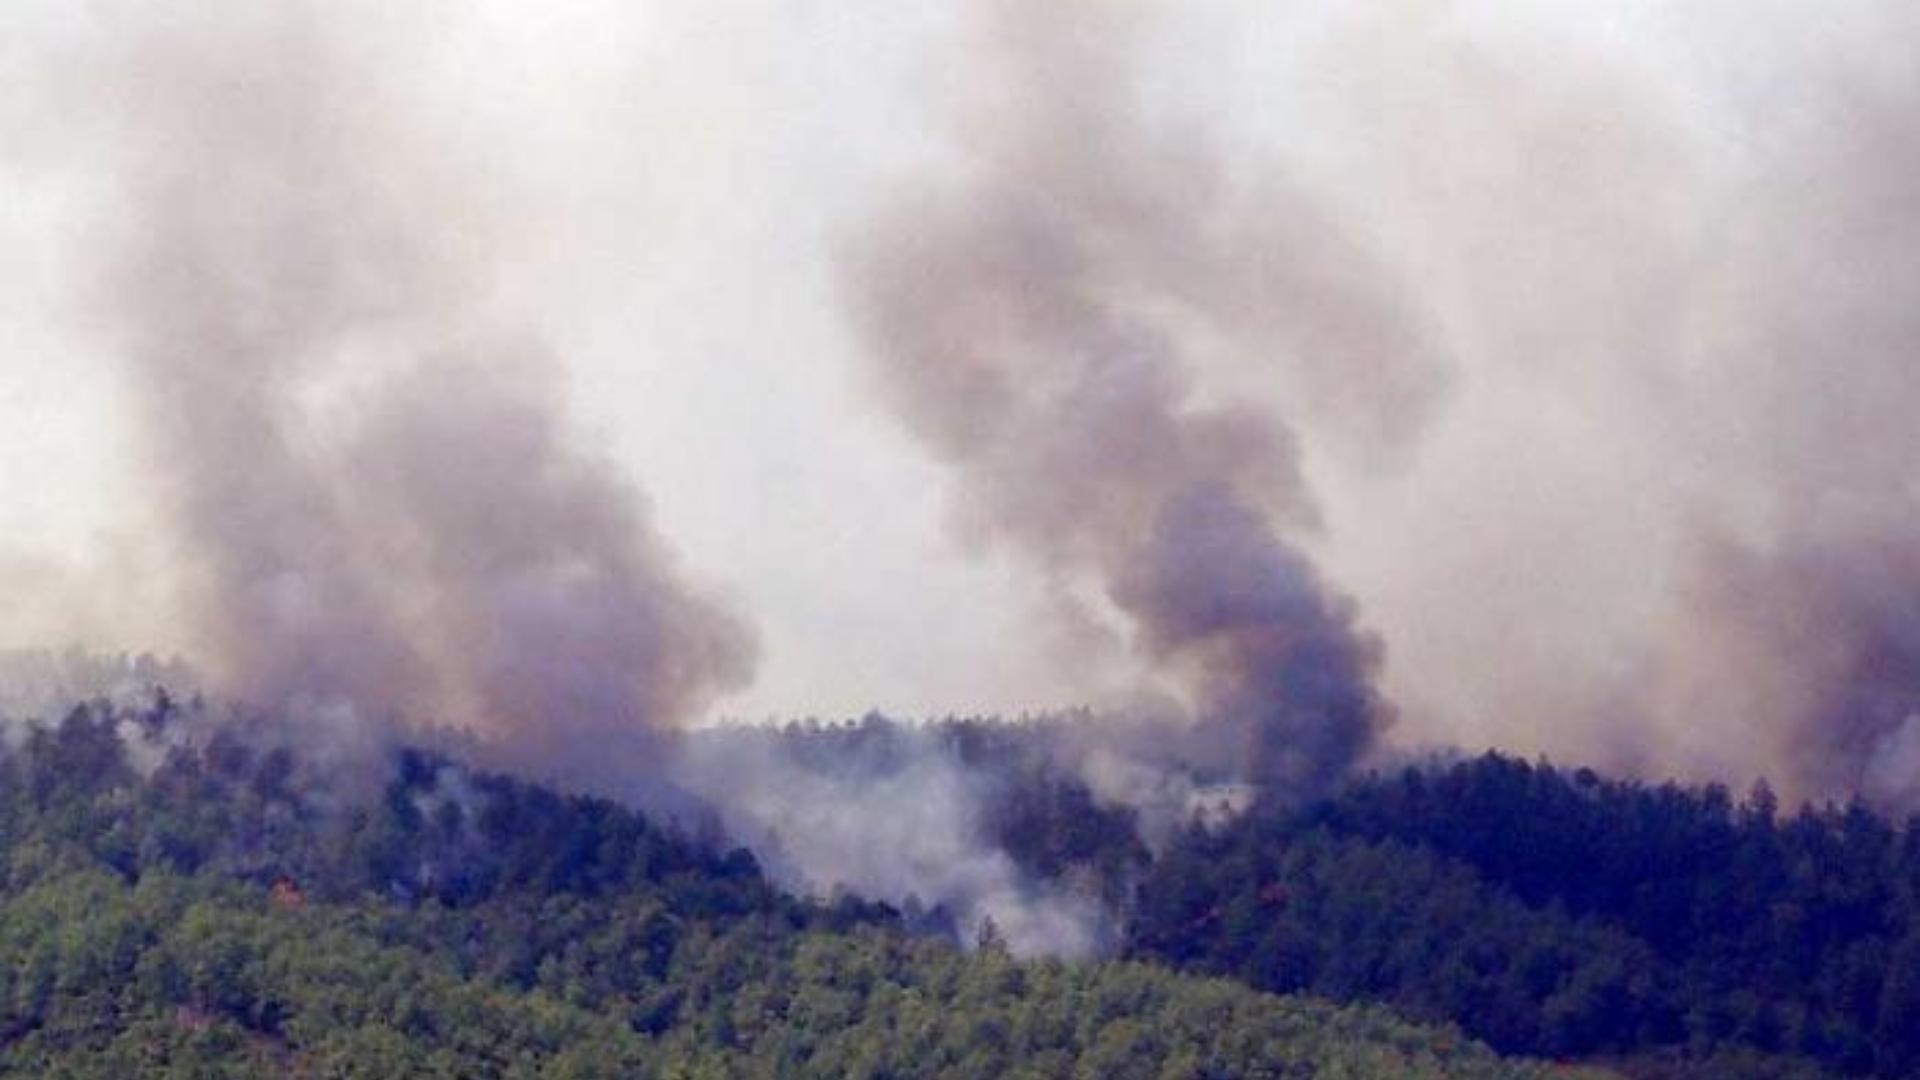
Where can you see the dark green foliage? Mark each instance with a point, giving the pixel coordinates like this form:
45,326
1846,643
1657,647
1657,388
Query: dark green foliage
1555,912
193,977
217,918
1311,912
431,832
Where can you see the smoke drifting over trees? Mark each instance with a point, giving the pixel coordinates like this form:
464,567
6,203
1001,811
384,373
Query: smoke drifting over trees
1508,372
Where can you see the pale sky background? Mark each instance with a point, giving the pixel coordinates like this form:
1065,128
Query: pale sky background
681,174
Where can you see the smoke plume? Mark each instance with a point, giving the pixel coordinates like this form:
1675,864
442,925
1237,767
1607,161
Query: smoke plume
370,487
1577,348
1037,323
1599,352
1665,518
1810,578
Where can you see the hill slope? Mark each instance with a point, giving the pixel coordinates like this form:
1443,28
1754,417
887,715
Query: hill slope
1555,912
215,914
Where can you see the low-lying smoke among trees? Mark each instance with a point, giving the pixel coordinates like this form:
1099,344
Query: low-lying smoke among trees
1474,373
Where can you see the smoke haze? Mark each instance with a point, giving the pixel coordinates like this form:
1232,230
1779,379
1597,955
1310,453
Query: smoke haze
1337,379
1021,323
371,499
1664,525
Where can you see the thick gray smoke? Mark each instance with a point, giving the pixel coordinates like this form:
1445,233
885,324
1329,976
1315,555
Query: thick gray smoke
369,486
1039,322
1593,334
1667,519
1614,426
1810,578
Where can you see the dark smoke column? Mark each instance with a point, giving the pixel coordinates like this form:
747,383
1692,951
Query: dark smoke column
1032,323
425,544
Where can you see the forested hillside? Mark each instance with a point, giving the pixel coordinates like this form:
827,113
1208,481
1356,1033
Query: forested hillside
212,913
1555,912
174,893
1672,930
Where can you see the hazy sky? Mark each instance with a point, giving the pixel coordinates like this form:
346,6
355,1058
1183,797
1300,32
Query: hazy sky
679,172
1572,196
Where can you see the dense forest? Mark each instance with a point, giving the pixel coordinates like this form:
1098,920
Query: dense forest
221,907
218,912
1556,912
1672,931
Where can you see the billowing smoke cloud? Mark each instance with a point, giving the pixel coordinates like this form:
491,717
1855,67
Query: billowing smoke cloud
1811,576
1594,336
1600,347
371,490
1040,321
1666,519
